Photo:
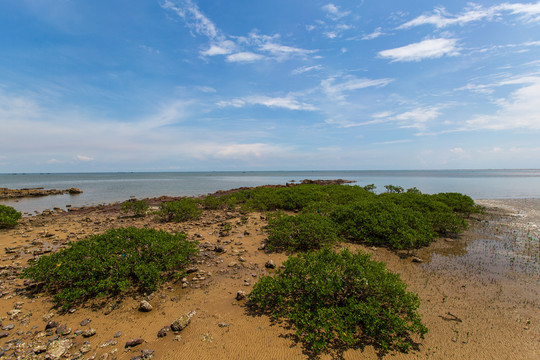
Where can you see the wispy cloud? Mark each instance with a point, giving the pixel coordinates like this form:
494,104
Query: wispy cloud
440,18
520,110
288,102
242,49
305,69
333,11
427,49
336,87
375,34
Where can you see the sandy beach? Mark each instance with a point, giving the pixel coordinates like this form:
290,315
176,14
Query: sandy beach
479,292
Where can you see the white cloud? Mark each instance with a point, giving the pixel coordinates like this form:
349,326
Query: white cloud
333,11
305,69
427,49
206,89
221,48
288,102
440,18
248,151
375,34
417,118
84,158
242,49
457,151
244,57
193,17
520,110
350,83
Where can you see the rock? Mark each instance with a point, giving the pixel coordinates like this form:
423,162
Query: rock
8,327
58,348
219,249
224,324
147,354
13,313
89,332
240,295
417,260
85,322
118,334
182,321
163,332
39,349
4,334
270,264
133,342
51,324
86,347
145,306
108,343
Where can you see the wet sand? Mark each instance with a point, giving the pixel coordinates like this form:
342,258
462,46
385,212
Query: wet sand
479,292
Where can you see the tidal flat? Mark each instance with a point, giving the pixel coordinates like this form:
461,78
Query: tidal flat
479,291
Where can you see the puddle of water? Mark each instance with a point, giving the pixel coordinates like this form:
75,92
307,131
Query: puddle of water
490,251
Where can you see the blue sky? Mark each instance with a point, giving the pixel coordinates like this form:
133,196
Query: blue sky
180,85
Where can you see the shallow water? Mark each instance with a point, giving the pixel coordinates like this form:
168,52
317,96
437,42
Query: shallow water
100,188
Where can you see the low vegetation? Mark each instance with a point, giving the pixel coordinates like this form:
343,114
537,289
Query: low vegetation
136,208
181,210
340,300
112,263
8,217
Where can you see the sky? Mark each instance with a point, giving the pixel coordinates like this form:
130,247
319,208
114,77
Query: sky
212,85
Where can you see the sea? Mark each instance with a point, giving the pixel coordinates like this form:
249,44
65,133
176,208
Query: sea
106,188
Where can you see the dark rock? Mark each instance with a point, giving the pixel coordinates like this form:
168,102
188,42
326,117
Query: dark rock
134,342
270,264
163,332
8,327
85,322
3,334
51,324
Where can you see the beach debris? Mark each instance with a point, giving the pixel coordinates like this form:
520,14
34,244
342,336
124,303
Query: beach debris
270,264
145,306
182,321
133,342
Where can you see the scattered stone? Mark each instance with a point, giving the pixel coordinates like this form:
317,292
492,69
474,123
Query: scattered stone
147,354
417,260
58,348
86,347
51,324
224,324
220,249
133,342
8,327
270,264
13,313
182,321
4,334
39,349
89,332
85,322
118,334
145,306
240,295
163,332
109,343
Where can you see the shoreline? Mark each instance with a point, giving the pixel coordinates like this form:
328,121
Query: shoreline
473,307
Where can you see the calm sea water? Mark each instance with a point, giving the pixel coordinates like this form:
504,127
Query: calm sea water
102,188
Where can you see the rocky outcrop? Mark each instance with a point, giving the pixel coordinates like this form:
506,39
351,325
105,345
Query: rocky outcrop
6,193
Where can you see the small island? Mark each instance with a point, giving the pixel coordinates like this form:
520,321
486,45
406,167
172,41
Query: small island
6,193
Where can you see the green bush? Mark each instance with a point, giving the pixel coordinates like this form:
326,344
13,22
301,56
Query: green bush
211,202
180,210
299,233
459,203
135,207
340,300
382,222
111,263
8,217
